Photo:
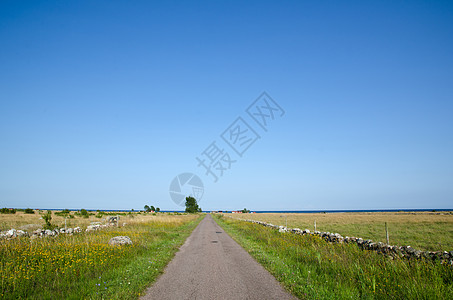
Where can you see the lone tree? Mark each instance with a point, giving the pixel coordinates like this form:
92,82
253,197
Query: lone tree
191,205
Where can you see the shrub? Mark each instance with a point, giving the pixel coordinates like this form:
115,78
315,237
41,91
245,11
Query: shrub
29,211
47,217
82,213
63,213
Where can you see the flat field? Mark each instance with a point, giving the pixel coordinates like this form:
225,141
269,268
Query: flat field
311,268
84,266
422,230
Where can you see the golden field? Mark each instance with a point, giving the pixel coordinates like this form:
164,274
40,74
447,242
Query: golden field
30,222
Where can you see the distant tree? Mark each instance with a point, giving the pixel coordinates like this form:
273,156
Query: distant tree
245,211
157,209
29,211
191,205
153,208
147,208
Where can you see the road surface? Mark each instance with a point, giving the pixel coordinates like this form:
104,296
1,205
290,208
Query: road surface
211,265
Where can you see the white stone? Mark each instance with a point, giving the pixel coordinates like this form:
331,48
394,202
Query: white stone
11,233
21,233
120,240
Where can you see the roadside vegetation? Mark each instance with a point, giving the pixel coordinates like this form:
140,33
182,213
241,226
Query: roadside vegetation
84,266
429,231
311,268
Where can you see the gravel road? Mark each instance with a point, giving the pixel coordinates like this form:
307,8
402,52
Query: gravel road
211,265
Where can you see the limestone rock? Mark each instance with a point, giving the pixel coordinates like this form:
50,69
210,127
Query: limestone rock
12,233
282,229
21,233
92,227
38,232
120,240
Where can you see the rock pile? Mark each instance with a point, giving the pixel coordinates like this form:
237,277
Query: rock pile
388,250
13,233
95,226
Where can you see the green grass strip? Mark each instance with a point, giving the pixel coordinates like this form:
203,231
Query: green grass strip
311,268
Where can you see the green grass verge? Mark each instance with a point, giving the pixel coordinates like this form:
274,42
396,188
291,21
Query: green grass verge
85,267
311,268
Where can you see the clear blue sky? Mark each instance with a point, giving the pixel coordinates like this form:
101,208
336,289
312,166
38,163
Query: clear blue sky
103,103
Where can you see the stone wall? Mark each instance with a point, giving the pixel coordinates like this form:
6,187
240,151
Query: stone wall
388,250
13,233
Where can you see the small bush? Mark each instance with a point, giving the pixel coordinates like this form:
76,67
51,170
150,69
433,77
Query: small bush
47,217
63,213
83,213
29,211
7,210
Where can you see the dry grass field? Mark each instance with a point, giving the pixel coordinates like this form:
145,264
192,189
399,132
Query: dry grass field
30,222
421,230
84,266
